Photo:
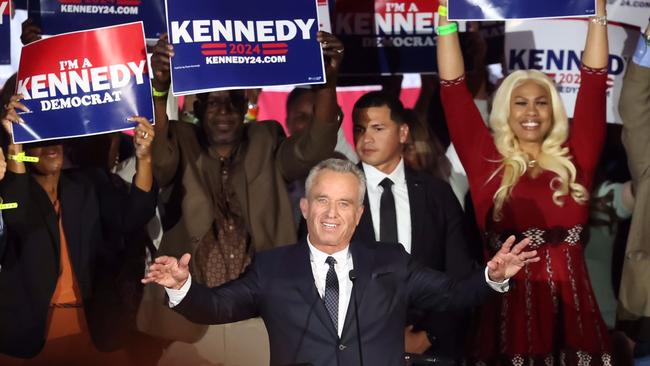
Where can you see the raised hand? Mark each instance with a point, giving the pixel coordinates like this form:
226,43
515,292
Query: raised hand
10,115
160,63
169,272
509,260
333,52
142,138
31,32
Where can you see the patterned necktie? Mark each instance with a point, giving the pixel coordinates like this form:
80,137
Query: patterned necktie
387,214
331,297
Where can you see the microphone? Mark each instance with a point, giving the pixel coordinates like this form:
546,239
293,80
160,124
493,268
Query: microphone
353,276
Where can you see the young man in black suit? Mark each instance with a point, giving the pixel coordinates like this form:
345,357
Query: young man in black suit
306,292
415,209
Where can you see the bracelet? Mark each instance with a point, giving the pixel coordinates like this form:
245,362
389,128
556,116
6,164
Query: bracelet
442,10
450,28
599,19
157,93
7,206
21,157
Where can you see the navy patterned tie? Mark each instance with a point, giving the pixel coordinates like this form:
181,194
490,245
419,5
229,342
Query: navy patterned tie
331,297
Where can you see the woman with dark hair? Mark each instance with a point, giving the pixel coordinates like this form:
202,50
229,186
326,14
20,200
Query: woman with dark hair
423,151
531,177
60,242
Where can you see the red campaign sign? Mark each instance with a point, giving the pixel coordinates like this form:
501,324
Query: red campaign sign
386,37
84,83
5,8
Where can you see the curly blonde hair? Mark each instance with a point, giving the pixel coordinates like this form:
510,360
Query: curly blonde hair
553,156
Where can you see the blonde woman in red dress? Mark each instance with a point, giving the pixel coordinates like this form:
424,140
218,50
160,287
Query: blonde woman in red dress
530,174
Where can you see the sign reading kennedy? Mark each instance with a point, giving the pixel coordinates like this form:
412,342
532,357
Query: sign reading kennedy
63,16
5,35
243,44
521,9
386,37
543,45
75,86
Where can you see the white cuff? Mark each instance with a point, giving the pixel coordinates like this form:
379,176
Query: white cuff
496,286
176,296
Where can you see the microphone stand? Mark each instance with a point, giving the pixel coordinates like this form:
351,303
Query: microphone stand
353,276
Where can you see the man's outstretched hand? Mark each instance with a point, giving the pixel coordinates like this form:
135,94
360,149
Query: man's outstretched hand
509,260
169,272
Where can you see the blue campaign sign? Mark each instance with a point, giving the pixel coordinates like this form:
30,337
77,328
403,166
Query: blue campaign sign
386,37
5,32
243,44
63,16
521,9
74,86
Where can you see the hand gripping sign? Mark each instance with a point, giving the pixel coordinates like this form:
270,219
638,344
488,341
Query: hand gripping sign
83,83
243,44
5,35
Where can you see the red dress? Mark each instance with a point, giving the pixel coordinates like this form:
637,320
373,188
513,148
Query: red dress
550,315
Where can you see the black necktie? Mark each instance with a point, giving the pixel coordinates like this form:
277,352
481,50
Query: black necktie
387,214
331,297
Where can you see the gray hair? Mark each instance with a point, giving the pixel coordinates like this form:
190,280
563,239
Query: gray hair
339,166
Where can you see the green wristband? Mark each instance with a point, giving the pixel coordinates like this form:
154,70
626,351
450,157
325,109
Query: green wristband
450,28
157,93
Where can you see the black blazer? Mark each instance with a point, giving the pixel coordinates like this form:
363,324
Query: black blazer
438,241
279,287
31,259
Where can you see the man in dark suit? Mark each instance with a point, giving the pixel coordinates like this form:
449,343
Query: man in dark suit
415,209
306,292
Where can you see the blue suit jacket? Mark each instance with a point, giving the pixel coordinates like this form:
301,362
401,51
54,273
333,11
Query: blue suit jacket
279,287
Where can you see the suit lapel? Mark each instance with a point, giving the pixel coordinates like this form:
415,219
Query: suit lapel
417,204
47,212
363,258
304,279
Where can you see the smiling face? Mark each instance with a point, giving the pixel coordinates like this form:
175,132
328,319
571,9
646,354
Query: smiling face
378,138
332,210
50,159
223,116
531,112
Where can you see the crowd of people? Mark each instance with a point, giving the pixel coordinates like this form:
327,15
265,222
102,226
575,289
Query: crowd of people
493,245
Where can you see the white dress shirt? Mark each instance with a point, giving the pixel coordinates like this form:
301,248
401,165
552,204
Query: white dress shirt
342,267
402,206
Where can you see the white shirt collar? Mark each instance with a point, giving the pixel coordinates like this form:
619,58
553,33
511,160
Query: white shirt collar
374,176
319,256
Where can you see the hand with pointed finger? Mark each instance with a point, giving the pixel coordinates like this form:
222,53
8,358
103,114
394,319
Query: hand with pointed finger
509,260
143,136
160,63
169,272
333,52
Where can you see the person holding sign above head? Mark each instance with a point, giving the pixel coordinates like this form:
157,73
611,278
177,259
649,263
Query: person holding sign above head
228,180
331,300
58,244
530,177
